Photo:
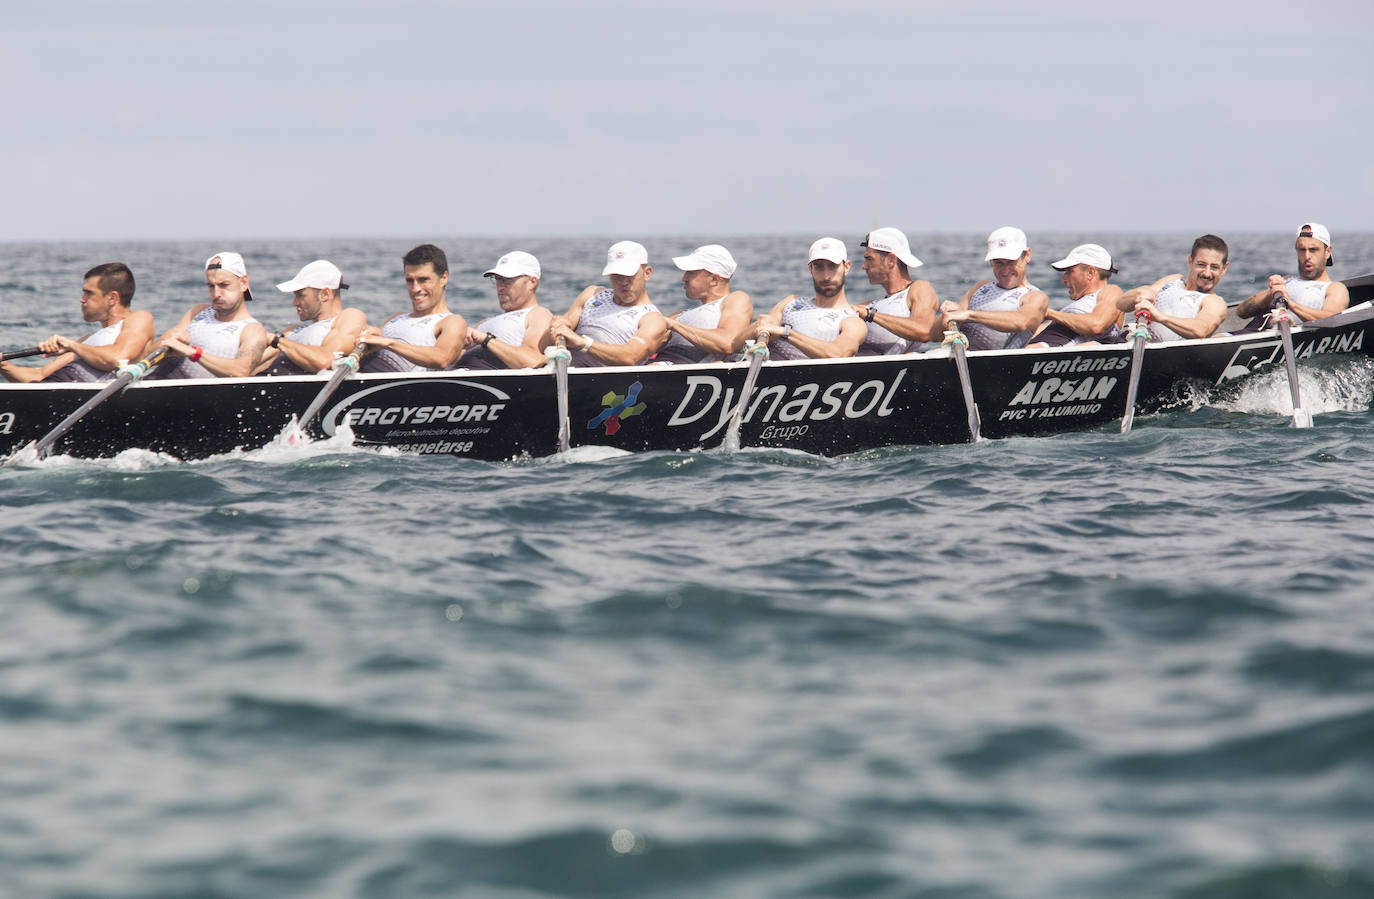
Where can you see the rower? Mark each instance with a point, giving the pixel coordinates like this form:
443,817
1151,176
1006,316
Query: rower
106,295
429,336
219,338
1091,313
618,325
332,330
511,339
1311,294
1001,313
904,317
1184,307
815,327
706,332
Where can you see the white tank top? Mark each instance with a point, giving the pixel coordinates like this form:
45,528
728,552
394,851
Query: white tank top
508,327
605,322
215,337
807,318
880,341
1311,294
681,350
76,370
991,298
1175,300
312,334
407,329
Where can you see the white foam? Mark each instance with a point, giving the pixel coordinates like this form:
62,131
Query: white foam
1348,387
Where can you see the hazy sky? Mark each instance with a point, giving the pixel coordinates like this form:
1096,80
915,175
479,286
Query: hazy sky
319,118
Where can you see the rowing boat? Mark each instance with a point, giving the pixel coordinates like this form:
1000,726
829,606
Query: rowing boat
822,406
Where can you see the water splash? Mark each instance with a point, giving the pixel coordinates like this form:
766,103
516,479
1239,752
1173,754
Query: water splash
1347,387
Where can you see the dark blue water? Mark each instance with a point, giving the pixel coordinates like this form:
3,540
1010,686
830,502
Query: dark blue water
1081,666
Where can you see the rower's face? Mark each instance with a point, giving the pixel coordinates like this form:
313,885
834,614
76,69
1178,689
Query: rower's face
226,290
877,265
629,288
696,285
425,286
515,293
1205,270
308,303
1080,279
1009,273
828,277
1312,255
94,304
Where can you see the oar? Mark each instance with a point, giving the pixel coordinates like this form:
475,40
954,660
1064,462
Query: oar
127,375
958,343
1301,417
343,367
558,357
1140,334
757,351
20,354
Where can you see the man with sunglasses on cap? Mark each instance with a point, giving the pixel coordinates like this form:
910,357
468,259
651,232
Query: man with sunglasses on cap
1091,313
822,326
1184,307
332,330
510,339
1311,294
1001,313
706,332
904,317
618,325
429,336
219,338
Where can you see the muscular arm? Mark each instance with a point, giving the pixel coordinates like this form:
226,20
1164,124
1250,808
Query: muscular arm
1126,302
751,331
449,335
646,339
1029,314
920,325
736,311
526,354
342,338
251,344
1090,324
1337,300
130,346
27,374
565,325
846,343
1210,316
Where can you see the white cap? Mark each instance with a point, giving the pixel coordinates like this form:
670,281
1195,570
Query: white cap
890,240
513,265
1006,243
711,258
625,258
230,262
1086,254
829,249
318,274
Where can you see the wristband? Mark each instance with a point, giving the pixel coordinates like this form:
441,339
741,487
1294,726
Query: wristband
487,340
869,314
276,339
588,345
786,332
196,353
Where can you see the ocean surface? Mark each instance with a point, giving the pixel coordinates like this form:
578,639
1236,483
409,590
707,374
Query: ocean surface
1080,666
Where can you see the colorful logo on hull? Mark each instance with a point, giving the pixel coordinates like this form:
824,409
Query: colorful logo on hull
618,407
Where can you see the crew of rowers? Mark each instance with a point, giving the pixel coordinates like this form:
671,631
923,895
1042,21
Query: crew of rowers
620,325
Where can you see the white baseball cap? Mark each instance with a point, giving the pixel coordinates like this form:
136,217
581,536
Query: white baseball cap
319,274
712,258
1006,243
231,263
829,249
513,265
1312,229
890,240
625,258
1086,254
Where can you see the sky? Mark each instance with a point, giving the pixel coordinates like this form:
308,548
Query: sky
170,119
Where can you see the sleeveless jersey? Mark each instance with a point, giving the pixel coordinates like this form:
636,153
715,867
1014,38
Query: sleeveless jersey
1311,294
679,349
312,334
215,337
76,370
1062,335
1176,300
807,318
407,329
605,322
508,327
879,340
991,298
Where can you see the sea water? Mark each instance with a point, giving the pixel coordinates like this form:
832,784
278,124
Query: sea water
1077,666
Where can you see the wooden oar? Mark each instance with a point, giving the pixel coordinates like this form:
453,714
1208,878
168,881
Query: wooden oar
20,354
958,343
557,357
757,351
1301,417
343,367
1140,335
127,375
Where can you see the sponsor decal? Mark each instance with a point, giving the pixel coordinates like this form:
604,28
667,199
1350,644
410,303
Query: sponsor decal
1080,393
470,410
6,422
618,407
1250,356
710,402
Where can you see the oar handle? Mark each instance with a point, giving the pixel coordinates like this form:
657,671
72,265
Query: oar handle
20,354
